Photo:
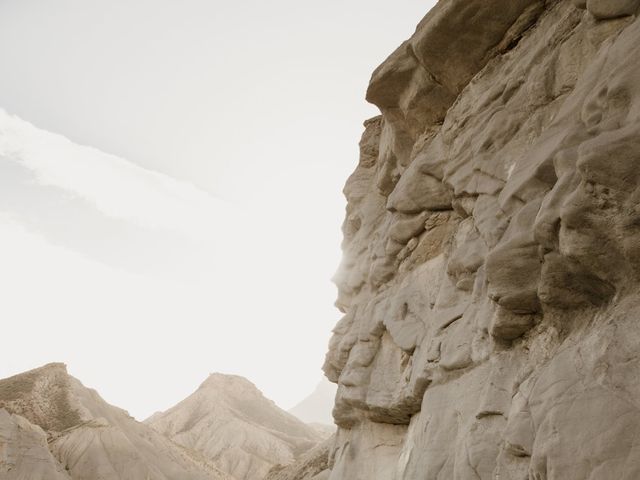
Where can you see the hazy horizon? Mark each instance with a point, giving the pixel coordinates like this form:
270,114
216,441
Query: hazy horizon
171,176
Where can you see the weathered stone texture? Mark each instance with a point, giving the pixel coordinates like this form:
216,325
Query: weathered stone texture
24,453
492,251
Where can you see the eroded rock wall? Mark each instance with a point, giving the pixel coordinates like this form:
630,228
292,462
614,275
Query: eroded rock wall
492,251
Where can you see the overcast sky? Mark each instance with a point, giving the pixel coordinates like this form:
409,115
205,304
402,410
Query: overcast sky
170,186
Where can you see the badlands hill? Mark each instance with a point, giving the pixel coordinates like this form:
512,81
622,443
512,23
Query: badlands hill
492,251
54,428
230,423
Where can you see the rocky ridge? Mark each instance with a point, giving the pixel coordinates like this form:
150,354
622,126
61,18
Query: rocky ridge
54,428
312,465
491,247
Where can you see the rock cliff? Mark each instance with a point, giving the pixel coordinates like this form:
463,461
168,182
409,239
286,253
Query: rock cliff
492,251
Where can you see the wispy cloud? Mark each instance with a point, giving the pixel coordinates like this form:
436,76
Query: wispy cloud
117,187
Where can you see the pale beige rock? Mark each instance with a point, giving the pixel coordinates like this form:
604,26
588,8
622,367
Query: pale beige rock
230,423
24,454
312,465
92,439
491,252
315,409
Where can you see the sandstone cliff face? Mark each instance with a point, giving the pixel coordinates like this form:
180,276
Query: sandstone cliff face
492,251
231,424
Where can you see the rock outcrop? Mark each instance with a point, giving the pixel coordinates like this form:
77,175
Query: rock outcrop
230,423
24,453
89,438
492,251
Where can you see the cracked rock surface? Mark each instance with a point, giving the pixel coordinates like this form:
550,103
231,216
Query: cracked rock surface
492,251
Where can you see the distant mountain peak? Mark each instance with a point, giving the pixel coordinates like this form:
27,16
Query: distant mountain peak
226,429
230,422
47,369
227,382
53,366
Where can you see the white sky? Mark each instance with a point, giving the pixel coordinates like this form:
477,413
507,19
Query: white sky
211,246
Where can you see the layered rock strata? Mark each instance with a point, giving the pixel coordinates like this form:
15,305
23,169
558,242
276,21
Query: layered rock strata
492,251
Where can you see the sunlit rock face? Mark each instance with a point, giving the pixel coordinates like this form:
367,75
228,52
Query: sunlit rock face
492,251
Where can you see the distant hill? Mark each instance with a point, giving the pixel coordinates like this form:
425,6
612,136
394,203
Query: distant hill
230,422
54,428
316,408
24,453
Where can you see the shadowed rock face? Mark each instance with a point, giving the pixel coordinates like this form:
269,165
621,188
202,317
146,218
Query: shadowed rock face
492,251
